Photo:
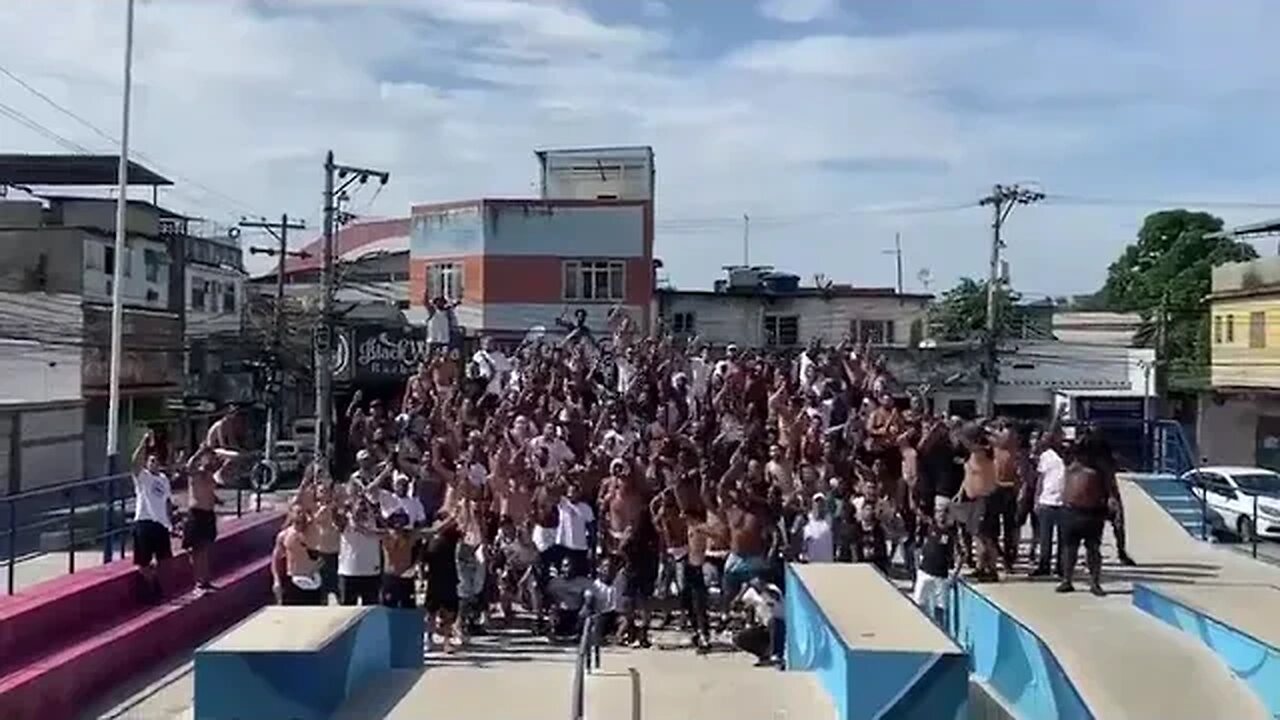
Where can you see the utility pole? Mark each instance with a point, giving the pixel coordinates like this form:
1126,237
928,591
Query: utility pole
1003,199
279,231
897,253
746,240
348,175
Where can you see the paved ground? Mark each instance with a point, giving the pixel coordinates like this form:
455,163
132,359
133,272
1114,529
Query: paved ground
1124,663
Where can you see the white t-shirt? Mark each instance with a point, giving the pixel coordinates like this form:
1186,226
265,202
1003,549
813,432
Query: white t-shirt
359,554
153,494
626,375
699,377
390,503
493,365
438,327
765,605
559,453
1053,478
572,531
819,545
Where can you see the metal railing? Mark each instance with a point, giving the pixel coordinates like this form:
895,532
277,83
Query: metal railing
69,508
588,659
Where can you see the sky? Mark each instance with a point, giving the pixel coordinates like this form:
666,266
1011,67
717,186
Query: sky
833,124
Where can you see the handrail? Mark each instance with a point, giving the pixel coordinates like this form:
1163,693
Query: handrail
588,649
71,503
62,487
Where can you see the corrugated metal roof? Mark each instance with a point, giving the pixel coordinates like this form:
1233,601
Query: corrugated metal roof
348,239
1264,227
60,169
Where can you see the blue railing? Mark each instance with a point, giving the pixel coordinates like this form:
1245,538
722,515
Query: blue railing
26,517
1157,446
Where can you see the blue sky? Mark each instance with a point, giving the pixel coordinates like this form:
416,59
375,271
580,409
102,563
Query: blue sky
834,124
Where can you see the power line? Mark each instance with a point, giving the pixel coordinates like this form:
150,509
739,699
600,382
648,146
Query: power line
18,117
115,142
1062,199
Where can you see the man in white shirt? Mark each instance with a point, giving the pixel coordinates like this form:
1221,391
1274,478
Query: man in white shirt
359,557
492,366
440,322
152,517
766,637
1051,474
571,533
549,453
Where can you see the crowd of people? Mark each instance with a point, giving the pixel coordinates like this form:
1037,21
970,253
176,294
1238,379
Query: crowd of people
649,483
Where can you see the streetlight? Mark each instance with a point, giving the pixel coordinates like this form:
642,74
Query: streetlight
117,284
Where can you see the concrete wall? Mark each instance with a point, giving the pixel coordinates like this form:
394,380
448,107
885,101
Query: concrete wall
139,289
1227,426
722,318
591,173
41,444
59,250
587,231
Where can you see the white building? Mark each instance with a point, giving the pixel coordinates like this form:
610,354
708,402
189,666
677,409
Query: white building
756,307
215,286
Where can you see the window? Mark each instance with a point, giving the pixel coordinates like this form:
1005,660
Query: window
152,260
228,298
444,279
682,323
594,280
1257,330
109,260
872,332
199,292
781,330
1217,329
1230,327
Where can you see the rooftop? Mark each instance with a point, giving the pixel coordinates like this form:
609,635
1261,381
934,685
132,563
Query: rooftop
833,291
161,211
1265,227
348,240
64,170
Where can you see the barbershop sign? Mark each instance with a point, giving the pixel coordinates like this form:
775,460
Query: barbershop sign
387,353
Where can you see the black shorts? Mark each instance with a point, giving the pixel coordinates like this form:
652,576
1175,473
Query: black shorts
329,573
359,589
641,576
398,592
200,530
150,543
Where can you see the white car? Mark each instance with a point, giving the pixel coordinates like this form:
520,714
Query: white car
1231,491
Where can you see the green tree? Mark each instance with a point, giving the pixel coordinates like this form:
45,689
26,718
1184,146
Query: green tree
961,313
1170,266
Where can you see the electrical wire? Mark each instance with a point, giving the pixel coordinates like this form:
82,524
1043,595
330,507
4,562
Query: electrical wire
18,117
114,142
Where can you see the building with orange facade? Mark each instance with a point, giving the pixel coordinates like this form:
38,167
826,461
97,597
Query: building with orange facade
585,243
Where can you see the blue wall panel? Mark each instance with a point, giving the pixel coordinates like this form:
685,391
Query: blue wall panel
871,684
452,232
1253,661
307,685
565,231
1012,660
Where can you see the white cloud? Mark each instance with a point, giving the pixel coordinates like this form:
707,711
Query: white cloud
452,96
799,11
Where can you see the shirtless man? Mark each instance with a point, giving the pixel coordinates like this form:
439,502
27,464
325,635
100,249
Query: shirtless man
624,502
444,374
295,566
1008,457
326,539
978,487
226,440
201,529
1089,494
749,540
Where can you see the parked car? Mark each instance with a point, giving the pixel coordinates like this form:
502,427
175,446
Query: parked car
1230,492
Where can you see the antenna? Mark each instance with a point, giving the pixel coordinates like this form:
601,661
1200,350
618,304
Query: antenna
925,276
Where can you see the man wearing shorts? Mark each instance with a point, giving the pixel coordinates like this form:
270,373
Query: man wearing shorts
201,528
152,517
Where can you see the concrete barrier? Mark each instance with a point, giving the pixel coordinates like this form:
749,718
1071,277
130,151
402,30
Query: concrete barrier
1239,624
73,606
302,663
873,651
68,641
1011,660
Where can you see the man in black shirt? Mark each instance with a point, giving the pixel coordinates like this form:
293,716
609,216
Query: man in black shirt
938,566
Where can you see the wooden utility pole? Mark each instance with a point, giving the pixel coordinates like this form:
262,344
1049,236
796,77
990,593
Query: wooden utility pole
280,231
1003,199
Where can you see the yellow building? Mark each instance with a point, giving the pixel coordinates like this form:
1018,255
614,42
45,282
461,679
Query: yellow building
1239,418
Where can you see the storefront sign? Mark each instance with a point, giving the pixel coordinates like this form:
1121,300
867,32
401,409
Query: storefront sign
387,353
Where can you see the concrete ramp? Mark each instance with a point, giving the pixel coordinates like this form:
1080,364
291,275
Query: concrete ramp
1079,656
302,663
873,651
